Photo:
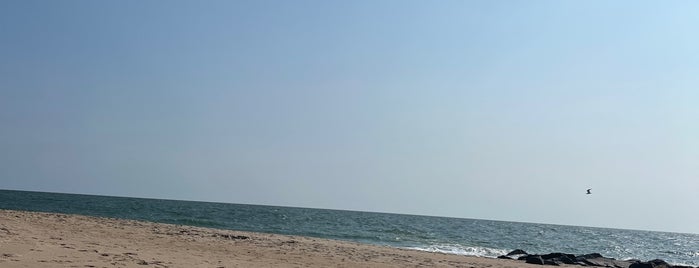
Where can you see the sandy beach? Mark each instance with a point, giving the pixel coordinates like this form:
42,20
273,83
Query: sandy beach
31,239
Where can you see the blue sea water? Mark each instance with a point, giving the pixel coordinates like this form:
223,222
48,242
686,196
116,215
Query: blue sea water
440,234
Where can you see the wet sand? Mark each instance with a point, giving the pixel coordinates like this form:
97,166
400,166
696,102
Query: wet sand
31,239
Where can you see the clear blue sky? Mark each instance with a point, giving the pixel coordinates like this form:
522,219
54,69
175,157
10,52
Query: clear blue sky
503,110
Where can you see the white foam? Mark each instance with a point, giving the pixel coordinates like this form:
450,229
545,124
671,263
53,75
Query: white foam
462,250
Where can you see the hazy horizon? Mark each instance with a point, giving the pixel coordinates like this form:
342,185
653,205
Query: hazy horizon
496,110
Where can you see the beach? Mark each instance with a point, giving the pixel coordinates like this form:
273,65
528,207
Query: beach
34,239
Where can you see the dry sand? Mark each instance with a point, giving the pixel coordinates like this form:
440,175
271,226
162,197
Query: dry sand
31,239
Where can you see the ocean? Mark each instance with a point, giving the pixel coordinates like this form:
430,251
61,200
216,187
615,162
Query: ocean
440,234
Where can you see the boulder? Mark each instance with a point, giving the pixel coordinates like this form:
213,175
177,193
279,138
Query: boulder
560,258
609,262
517,252
651,264
594,259
551,262
590,256
534,259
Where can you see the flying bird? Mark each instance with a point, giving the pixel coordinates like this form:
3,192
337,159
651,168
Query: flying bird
588,191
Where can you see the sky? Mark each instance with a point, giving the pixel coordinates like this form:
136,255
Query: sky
501,110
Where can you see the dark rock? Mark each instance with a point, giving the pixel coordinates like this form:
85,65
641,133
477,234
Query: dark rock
585,262
594,259
560,258
557,255
641,265
517,252
142,262
590,256
563,259
660,263
651,264
606,262
568,260
551,262
534,259
504,257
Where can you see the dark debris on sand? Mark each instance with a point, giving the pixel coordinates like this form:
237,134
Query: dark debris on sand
231,237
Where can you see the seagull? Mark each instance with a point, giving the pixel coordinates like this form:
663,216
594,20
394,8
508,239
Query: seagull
588,191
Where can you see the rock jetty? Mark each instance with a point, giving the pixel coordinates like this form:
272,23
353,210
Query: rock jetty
594,259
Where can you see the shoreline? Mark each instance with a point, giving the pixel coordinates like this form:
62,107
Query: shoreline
38,239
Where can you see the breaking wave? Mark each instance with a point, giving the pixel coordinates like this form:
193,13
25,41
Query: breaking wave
462,250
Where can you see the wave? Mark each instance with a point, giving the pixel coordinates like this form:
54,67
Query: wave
462,250
682,253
